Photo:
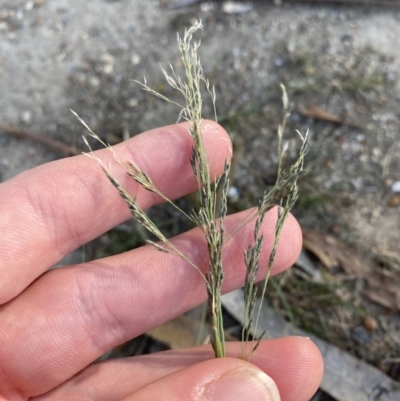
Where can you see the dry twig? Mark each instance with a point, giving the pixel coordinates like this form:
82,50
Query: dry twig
52,144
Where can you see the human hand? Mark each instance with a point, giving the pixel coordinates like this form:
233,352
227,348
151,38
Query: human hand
54,324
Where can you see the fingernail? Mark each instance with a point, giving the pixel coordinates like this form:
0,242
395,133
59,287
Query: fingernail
243,384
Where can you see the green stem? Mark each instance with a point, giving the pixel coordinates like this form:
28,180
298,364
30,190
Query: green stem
218,340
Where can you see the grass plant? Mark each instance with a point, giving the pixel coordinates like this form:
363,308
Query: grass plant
212,202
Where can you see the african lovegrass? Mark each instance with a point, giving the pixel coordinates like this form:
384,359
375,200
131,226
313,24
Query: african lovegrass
213,196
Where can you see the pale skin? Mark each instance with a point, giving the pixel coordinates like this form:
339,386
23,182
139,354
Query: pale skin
53,325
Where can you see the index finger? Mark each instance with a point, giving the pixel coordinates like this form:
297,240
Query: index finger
51,210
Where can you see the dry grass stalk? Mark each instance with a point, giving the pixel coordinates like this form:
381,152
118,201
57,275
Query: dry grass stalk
283,194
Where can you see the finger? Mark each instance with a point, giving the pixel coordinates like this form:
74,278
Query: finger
71,316
223,379
294,363
53,209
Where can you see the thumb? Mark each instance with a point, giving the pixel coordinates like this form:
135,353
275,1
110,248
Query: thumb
223,379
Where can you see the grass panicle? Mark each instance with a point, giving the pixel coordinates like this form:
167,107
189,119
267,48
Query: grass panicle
213,196
283,195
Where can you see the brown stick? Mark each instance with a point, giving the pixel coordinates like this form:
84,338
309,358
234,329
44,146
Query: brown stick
318,113
42,139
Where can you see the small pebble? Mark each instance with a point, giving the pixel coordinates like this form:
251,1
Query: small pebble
29,5
231,7
370,323
135,59
107,63
388,182
207,7
26,117
393,201
396,187
19,15
233,194
132,102
94,82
